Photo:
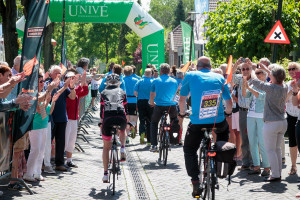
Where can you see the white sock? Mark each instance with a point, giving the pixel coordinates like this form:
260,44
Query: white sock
69,159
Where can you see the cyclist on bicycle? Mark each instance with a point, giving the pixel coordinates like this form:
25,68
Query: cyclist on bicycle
205,88
163,89
112,112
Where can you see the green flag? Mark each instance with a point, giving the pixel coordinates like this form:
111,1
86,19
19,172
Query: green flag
186,41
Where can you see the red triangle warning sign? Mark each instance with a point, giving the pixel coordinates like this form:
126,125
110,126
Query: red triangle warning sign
277,35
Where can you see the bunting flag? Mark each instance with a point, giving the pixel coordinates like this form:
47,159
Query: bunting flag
123,63
186,67
31,52
229,70
186,40
63,62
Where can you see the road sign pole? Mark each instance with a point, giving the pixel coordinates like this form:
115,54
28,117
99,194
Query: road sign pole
279,11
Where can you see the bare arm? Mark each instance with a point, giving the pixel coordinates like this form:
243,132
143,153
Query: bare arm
152,95
135,93
228,106
182,100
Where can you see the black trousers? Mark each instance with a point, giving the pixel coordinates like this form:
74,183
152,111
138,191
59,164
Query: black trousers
145,113
59,132
157,114
192,141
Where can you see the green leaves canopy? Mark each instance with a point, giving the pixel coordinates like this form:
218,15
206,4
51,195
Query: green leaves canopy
240,27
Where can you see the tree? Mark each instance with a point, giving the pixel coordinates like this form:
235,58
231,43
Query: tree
240,27
8,11
179,14
122,40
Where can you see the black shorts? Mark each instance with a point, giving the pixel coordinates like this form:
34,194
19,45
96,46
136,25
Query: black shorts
291,130
94,93
109,121
132,109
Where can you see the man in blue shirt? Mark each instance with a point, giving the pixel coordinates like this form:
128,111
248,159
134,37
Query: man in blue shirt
142,91
117,69
163,89
205,88
130,82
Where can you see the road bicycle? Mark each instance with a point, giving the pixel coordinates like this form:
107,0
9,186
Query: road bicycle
164,139
114,162
207,167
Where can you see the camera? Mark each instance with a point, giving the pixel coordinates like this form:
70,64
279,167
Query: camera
243,60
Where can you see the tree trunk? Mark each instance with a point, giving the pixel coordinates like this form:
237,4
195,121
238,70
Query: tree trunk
48,48
9,15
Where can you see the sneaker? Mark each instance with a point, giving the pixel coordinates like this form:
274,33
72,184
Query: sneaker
265,173
196,190
39,177
49,170
61,168
71,164
14,186
105,178
142,138
29,178
123,154
154,149
243,167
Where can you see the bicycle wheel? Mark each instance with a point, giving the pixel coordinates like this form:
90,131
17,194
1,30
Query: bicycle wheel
114,169
201,164
209,191
166,147
161,147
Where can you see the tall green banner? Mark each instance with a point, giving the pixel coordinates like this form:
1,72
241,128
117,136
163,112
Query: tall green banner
112,11
186,41
30,62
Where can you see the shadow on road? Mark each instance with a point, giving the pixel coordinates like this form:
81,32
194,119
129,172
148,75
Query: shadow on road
106,193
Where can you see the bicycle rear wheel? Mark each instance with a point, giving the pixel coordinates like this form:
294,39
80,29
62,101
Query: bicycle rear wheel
114,169
209,192
166,148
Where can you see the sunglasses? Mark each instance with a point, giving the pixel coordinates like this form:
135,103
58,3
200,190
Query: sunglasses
291,69
245,69
41,81
258,73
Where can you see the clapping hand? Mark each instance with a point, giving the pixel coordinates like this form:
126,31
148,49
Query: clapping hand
24,101
55,97
14,80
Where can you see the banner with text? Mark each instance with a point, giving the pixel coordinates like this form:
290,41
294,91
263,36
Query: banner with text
32,44
186,41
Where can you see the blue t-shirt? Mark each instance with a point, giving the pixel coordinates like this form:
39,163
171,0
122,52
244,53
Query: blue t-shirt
165,88
103,85
130,82
136,76
60,111
143,88
206,84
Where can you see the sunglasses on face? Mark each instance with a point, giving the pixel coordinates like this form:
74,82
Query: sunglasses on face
291,69
258,73
245,69
41,81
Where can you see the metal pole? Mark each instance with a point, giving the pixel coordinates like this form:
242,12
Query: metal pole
191,42
279,11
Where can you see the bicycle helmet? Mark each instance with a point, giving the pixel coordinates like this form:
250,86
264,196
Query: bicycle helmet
112,79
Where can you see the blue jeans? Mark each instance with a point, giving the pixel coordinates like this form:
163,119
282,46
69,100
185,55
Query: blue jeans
256,140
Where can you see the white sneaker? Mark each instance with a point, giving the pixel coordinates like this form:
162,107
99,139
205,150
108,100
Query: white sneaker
123,154
49,170
105,178
39,177
29,178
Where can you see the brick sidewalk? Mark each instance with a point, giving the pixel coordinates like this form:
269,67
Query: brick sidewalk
144,178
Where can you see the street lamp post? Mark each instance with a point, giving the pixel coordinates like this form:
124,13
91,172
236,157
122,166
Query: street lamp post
192,18
279,11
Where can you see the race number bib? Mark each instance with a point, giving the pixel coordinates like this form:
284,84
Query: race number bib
209,104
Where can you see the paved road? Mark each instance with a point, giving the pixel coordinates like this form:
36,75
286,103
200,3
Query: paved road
144,178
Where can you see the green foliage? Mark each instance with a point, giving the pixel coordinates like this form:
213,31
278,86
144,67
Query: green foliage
163,10
133,42
179,14
240,27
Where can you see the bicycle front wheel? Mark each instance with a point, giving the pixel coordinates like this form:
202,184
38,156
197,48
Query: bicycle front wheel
209,192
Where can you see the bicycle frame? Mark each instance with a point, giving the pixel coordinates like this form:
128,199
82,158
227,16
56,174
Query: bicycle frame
207,167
